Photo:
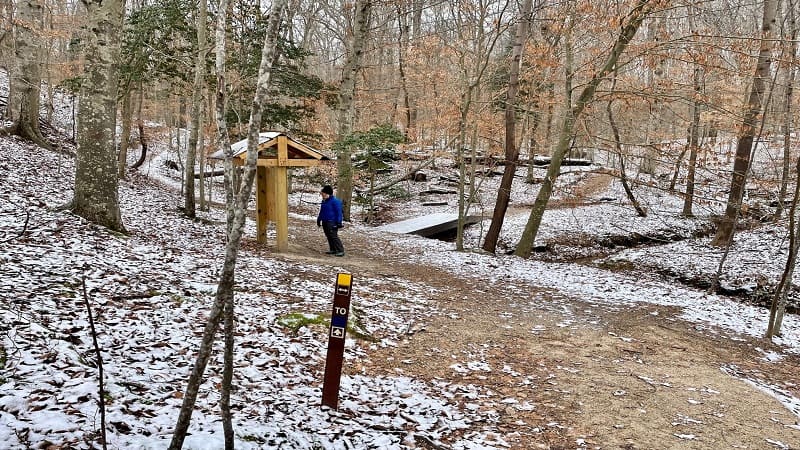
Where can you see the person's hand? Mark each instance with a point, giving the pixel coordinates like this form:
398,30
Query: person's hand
339,225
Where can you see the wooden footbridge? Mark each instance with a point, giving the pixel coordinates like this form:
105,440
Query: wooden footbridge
435,226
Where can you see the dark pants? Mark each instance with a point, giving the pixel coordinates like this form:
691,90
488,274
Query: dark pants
332,233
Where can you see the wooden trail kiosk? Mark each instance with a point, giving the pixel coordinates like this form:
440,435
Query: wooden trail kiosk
277,152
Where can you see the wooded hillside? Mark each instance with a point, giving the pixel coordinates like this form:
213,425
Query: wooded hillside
552,131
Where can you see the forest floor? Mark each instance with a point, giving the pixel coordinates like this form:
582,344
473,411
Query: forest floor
638,378
471,351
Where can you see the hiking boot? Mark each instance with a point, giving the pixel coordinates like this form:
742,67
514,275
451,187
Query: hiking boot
339,254
330,252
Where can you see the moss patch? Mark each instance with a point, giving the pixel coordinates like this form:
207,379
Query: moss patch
355,327
295,321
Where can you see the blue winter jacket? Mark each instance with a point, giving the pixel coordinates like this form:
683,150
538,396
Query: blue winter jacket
330,210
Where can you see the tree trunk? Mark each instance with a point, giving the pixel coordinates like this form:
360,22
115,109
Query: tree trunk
345,111
483,44
402,50
676,173
227,373
744,146
778,306
124,139
201,148
26,76
694,131
229,181
530,179
189,207
531,128
637,15
224,294
466,101
48,74
511,150
140,127
96,182
623,176
790,72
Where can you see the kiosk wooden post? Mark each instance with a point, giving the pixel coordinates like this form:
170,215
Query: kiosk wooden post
281,195
262,210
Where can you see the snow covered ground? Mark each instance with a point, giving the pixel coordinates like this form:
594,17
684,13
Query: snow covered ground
150,290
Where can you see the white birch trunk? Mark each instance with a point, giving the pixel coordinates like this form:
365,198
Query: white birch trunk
237,211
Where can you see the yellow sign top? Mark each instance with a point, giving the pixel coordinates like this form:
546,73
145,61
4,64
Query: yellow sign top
344,279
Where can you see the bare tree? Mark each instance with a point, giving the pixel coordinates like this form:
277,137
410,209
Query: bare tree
779,297
345,110
512,152
778,306
790,72
96,182
101,390
189,207
744,146
636,16
479,29
403,46
694,127
237,209
231,184
623,175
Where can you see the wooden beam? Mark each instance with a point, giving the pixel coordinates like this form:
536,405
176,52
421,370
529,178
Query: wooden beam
308,151
268,144
283,150
289,163
262,215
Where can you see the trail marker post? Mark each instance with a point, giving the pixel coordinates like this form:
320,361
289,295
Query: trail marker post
336,338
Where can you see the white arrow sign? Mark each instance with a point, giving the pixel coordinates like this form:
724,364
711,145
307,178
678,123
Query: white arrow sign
337,332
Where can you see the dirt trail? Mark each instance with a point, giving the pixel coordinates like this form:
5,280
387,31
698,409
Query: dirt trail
595,378
583,192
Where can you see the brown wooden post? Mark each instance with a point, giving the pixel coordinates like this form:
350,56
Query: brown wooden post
336,338
282,208
262,216
270,193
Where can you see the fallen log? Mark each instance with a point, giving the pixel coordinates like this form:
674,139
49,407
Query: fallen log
211,173
437,192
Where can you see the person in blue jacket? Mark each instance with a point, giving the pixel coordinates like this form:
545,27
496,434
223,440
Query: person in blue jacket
330,219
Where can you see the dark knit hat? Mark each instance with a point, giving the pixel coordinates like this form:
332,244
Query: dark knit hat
327,189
